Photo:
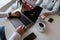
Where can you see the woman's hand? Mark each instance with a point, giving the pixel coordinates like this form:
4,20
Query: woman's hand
21,30
16,14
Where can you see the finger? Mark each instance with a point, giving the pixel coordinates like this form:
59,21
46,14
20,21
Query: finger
23,27
20,27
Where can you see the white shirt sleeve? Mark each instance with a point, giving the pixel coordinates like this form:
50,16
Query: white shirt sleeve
14,6
15,36
3,14
38,2
55,8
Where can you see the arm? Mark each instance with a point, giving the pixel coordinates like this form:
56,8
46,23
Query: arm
12,7
3,14
15,36
55,8
13,14
19,32
38,2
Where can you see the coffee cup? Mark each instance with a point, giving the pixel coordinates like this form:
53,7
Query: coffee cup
41,27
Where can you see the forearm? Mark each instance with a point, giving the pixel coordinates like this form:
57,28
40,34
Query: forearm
19,32
38,2
15,36
3,14
55,8
52,12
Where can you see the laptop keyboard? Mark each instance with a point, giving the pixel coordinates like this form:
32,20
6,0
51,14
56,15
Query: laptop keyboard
24,20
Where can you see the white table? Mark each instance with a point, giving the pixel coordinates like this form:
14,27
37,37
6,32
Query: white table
52,29
9,28
51,33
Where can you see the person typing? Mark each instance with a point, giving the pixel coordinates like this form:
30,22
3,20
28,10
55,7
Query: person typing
18,33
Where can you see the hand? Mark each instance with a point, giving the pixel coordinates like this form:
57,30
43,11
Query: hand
21,30
44,15
17,13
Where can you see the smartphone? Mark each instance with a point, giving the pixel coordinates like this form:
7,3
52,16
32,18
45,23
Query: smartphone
31,36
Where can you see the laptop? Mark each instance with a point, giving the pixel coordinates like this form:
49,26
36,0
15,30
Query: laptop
25,19
21,21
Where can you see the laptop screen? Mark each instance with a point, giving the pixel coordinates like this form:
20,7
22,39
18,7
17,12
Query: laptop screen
33,14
